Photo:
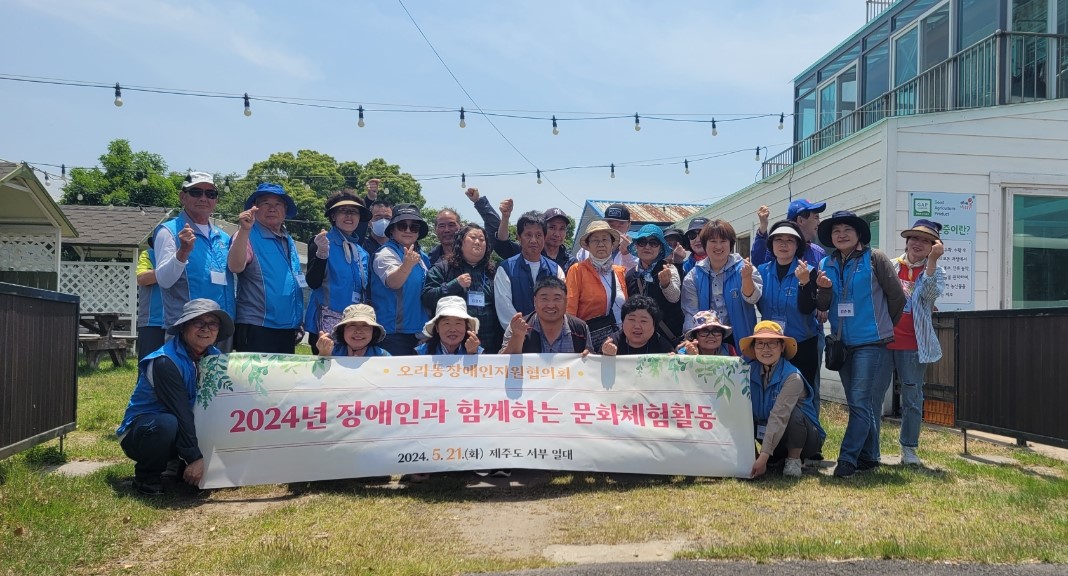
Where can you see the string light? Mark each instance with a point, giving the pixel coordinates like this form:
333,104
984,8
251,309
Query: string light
782,118
46,178
226,185
144,179
361,123
463,122
686,164
63,170
463,181
539,176
757,158
637,123
248,106
118,95
714,131
556,131
613,173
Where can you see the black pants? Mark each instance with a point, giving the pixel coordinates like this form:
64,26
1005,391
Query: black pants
800,433
807,359
149,339
251,338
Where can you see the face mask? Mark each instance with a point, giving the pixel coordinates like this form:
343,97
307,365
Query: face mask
378,227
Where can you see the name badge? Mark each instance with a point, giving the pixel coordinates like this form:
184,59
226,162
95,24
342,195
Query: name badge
301,281
845,309
780,322
476,299
761,429
218,278
356,299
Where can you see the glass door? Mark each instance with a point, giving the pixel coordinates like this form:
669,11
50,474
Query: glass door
1039,247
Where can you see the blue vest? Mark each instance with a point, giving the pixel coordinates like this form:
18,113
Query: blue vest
742,315
856,284
522,284
342,349
778,302
764,398
345,282
269,293
150,300
144,400
208,255
400,311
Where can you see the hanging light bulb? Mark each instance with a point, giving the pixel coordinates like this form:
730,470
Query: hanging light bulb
613,173
144,179
80,197
463,181
463,122
686,164
539,176
714,131
637,123
556,131
46,178
248,107
63,170
757,158
361,123
118,95
782,118
226,185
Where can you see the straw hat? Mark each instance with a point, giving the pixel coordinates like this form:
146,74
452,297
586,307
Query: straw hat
453,307
708,319
768,330
359,313
199,307
598,226
928,229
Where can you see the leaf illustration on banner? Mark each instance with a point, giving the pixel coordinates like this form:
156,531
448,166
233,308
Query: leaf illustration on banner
254,366
213,378
320,367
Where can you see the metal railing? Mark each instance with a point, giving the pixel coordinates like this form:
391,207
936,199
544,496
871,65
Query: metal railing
1003,68
876,7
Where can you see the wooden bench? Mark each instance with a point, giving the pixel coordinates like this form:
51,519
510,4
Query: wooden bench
102,339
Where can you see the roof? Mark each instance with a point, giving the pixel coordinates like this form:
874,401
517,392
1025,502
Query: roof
27,202
114,225
650,212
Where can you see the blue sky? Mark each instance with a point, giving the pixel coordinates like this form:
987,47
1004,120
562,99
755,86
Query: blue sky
723,58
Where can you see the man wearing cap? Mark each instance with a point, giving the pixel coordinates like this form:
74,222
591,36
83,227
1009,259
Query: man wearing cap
513,284
676,247
556,223
618,217
806,215
915,342
447,224
270,295
697,250
191,253
158,425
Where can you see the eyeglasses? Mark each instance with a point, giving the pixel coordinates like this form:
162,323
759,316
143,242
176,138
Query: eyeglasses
692,234
765,344
211,326
197,193
644,242
348,211
705,333
406,227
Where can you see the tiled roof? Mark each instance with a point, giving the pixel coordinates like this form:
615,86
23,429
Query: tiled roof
113,225
651,212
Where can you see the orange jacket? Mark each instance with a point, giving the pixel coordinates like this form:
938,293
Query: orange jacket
586,295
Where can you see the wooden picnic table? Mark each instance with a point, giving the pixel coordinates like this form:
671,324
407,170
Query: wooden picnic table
101,339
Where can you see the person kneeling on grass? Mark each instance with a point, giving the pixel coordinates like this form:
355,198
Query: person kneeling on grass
783,411
356,334
158,425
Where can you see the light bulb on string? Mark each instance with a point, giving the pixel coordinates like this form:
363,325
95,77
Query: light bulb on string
556,130
463,121
714,131
226,185
63,170
757,158
612,174
118,95
361,123
248,106
686,164
782,118
46,178
80,197
637,123
144,179
463,181
539,176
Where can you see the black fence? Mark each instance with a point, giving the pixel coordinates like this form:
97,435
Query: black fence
38,366
1009,368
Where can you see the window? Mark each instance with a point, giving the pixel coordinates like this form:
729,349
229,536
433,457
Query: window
828,99
872,218
978,19
881,33
1029,54
1039,250
935,38
876,72
905,61
908,15
805,118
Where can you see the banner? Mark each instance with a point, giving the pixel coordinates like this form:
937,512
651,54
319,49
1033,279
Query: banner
956,214
265,419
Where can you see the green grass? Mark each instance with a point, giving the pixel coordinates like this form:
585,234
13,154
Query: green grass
954,510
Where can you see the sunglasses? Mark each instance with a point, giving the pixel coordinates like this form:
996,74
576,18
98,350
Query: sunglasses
705,333
406,227
644,242
692,234
197,193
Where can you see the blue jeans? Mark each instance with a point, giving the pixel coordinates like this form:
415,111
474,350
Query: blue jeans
821,344
865,375
910,372
150,443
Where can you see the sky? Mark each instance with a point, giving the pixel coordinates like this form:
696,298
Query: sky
722,59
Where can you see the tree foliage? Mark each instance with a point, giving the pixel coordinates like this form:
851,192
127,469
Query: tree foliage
127,178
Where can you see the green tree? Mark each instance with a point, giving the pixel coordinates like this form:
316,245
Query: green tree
127,178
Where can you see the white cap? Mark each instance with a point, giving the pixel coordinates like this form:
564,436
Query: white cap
195,178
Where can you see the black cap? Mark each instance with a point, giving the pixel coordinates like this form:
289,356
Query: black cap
697,224
553,213
617,212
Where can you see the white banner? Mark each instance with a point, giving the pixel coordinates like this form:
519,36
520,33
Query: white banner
265,419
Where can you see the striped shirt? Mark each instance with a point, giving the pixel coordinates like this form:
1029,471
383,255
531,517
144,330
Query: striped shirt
921,302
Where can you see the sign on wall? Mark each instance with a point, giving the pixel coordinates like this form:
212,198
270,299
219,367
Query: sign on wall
265,419
956,213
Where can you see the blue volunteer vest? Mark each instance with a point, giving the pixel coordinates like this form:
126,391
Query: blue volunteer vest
742,315
150,300
143,400
269,293
208,255
342,349
345,282
778,302
401,311
856,284
522,284
764,398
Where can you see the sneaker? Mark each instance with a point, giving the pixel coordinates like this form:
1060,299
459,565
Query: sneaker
844,470
792,468
501,473
150,487
865,465
909,457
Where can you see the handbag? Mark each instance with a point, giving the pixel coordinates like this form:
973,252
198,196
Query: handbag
835,352
328,319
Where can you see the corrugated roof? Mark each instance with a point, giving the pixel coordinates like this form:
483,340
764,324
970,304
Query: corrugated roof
650,212
113,225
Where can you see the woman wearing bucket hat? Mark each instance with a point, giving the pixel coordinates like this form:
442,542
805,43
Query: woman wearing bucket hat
356,334
397,283
915,343
338,267
452,331
789,297
597,288
654,276
270,295
468,272
708,336
158,424
860,289
784,411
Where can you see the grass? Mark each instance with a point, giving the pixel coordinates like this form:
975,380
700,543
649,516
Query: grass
954,510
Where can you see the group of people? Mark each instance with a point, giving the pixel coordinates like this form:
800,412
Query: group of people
376,292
